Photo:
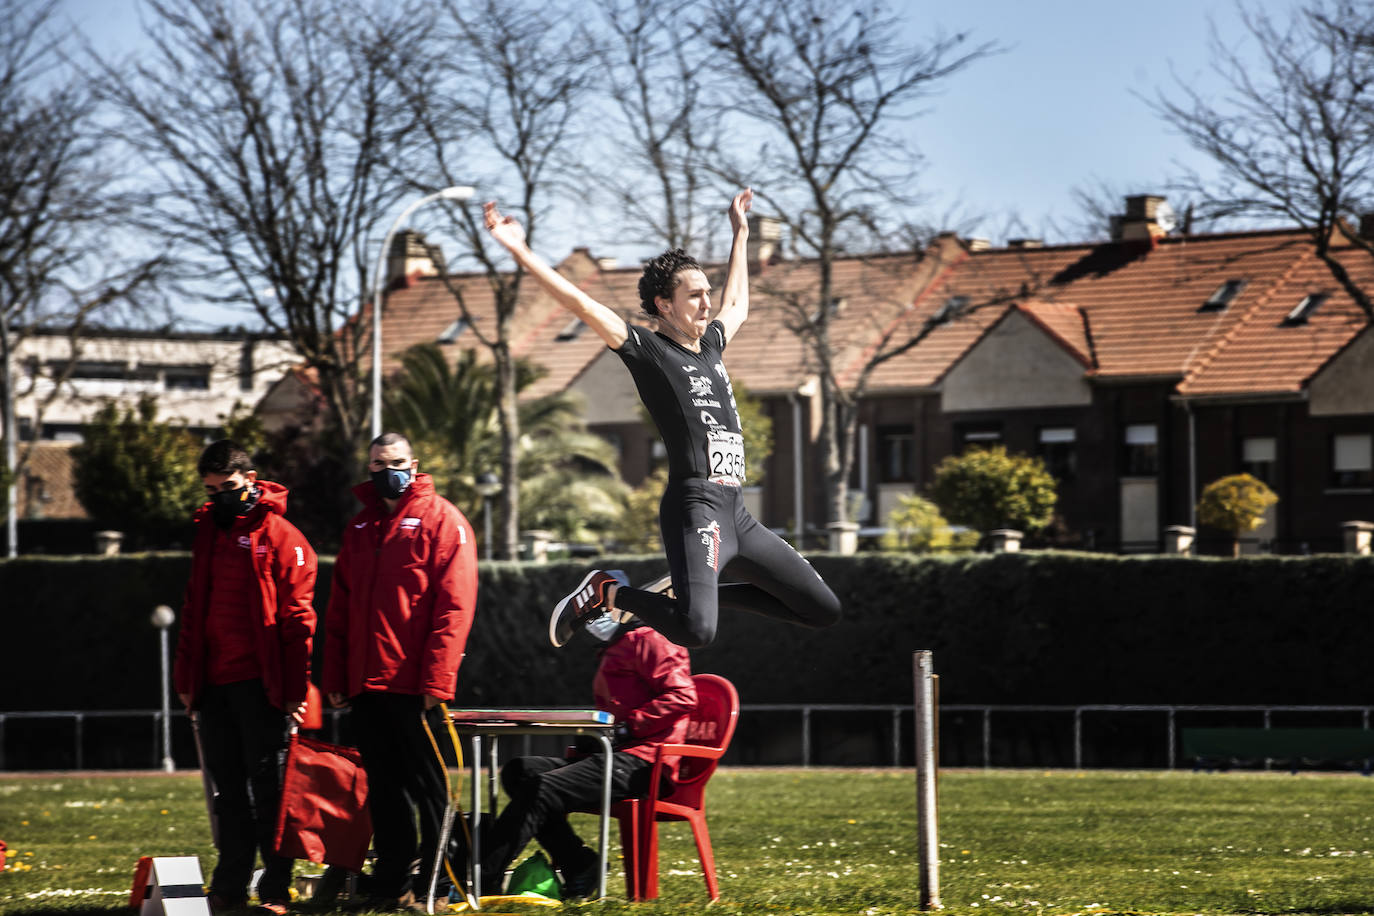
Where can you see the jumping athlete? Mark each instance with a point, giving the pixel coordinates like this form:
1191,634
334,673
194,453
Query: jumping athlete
682,381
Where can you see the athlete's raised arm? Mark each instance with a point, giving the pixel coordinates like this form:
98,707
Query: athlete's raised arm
609,326
734,299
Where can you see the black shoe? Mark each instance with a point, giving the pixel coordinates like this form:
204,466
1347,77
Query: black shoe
584,878
583,603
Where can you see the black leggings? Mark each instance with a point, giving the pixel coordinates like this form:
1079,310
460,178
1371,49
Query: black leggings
705,526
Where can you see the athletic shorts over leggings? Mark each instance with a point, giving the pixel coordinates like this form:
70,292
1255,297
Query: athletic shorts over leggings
705,526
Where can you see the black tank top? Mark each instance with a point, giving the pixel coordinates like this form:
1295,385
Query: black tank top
690,398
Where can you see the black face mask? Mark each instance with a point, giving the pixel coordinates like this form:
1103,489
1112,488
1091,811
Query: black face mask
228,505
391,482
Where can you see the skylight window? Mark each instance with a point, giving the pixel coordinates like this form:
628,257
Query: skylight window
953,308
451,333
1223,296
571,330
1305,309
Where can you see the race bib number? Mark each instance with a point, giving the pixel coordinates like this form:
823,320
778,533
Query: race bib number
726,451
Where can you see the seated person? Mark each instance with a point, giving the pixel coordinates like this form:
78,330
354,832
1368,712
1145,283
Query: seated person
645,681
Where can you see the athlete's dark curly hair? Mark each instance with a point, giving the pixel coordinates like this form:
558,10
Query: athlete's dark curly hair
660,277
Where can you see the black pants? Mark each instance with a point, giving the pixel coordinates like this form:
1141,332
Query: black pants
242,736
542,791
705,526
404,779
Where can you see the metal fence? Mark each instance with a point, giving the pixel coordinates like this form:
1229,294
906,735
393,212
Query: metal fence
771,734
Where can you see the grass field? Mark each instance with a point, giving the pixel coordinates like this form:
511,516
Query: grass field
836,842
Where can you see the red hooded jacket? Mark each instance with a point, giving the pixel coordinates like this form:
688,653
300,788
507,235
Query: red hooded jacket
645,681
284,569
404,593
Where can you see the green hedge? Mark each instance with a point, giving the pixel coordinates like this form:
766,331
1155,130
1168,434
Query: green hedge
1012,628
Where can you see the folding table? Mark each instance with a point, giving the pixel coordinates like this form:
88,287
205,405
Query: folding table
475,723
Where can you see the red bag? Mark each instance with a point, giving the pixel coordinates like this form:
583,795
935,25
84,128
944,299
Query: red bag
323,815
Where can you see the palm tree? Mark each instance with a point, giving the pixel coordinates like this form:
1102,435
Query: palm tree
449,412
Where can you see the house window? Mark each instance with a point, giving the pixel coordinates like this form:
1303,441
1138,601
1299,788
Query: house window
1304,309
1058,449
1351,464
1142,450
658,455
1223,296
451,333
896,454
1257,457
953,308
571,330
981,436
186,378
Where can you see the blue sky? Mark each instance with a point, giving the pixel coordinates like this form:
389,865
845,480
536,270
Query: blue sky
1013,135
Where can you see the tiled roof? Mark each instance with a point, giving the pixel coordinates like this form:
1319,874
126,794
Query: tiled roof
1125,310
1136,310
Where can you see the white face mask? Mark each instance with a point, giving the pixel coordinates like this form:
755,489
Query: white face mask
602,627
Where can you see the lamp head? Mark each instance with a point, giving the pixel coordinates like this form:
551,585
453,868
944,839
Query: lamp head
163,617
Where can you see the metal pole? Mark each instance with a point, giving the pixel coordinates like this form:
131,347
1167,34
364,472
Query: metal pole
798,503
1078,739
167,765
379,280
11,438
928,841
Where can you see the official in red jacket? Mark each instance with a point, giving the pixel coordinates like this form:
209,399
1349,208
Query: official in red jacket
243,661
401,606
645,681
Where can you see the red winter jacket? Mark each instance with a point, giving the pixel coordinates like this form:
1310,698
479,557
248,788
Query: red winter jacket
404,592
284,569
645,681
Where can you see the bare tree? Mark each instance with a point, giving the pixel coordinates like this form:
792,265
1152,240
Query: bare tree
271,125
816,91
659,129
1293,139
495,96
58,208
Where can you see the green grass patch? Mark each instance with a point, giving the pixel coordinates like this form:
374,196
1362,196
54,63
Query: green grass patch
836,842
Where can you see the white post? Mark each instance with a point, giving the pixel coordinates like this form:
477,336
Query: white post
928,838
163,618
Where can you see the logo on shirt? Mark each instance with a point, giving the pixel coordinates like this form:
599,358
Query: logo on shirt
261,550
710,539
689,368
410,522
710,420
701,385
245,542
705,402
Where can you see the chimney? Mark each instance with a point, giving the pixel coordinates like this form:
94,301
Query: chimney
409,255
1147,217
1025,243
606,263
978,244
765,238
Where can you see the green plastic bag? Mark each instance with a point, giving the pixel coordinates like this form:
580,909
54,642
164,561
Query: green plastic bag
537,875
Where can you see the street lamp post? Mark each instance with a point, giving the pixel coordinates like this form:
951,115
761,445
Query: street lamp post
163,618
488,485
457,192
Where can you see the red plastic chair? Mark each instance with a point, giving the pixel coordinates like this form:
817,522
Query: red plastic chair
709,730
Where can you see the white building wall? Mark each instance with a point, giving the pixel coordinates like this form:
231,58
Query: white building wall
235,370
